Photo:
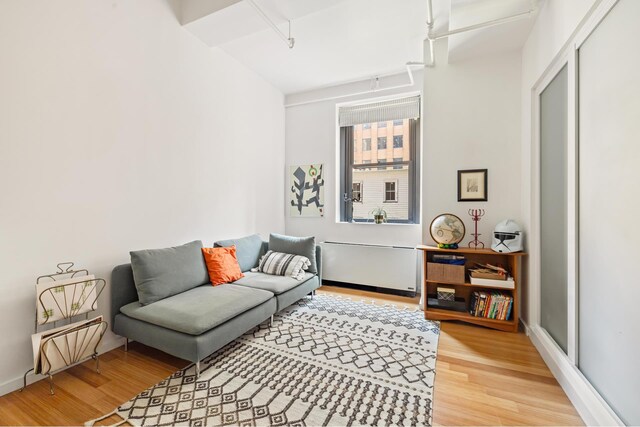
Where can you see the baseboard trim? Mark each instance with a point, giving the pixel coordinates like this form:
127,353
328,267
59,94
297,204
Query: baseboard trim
593,409
16,383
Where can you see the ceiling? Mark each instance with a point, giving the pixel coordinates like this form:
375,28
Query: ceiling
501,38
339,41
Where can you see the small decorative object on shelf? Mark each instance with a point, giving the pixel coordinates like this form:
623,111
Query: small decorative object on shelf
379,215
447,230
446,246
476,214
446,294
62,296
507,237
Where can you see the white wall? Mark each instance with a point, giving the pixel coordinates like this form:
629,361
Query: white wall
472,121
119,130
311,137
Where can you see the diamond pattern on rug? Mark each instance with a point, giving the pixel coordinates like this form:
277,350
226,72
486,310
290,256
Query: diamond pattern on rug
324,361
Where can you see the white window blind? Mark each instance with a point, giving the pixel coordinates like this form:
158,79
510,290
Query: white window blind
395,109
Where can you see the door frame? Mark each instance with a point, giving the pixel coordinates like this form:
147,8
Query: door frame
567,58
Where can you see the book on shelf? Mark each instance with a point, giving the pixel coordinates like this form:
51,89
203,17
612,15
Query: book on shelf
491,305
509,283
449,259
488,271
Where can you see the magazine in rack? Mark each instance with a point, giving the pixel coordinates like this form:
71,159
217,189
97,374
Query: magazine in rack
62,297
60,347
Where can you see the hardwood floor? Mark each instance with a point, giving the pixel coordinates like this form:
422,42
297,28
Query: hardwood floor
487,377
483,377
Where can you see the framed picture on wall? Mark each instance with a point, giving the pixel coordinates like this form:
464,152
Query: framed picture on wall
306,193
472,185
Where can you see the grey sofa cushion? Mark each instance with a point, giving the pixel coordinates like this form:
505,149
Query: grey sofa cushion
200,309
161,273
271,283
305,246
297,293
193,347
248,250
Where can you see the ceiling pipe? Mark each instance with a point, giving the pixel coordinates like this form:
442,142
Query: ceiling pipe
290,41
432,56
374,88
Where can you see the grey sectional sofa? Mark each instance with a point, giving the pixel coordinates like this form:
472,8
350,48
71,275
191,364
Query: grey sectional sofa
193,323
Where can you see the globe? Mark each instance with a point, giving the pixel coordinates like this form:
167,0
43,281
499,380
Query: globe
447,229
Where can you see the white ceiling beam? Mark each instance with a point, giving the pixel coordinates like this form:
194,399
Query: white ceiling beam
516,17
192,10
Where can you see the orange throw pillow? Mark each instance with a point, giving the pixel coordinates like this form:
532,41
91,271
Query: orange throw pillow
222,265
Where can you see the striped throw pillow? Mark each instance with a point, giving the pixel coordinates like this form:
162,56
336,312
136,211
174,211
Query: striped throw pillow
281,264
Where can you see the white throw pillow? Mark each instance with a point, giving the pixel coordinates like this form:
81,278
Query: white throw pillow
281,264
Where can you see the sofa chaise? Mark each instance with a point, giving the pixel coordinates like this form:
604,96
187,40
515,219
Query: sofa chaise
194,320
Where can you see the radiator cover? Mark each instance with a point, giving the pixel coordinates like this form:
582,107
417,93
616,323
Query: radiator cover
392,267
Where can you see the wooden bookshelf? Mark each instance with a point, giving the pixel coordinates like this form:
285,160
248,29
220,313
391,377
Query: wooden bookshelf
464,289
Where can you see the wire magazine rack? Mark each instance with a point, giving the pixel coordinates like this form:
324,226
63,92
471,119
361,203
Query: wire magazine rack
62,297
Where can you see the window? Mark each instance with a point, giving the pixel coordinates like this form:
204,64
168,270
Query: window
397,162
356,192
393,180
390,191
382,125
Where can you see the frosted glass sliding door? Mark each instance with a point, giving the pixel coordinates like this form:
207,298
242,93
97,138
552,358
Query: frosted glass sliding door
609,209
553,208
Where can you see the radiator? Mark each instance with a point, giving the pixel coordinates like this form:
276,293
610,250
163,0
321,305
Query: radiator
392,267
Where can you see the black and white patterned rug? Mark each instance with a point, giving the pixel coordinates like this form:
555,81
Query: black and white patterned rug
324,361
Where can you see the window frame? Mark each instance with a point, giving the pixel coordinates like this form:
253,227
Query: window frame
379,139
366,142
347,139
401,141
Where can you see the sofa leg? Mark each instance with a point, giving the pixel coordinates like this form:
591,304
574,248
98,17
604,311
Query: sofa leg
271,320
126,344
313,293
197,369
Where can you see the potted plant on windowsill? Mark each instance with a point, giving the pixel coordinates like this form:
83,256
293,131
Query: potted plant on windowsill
379,215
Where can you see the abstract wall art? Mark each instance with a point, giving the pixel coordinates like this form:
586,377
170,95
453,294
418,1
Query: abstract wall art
306,193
